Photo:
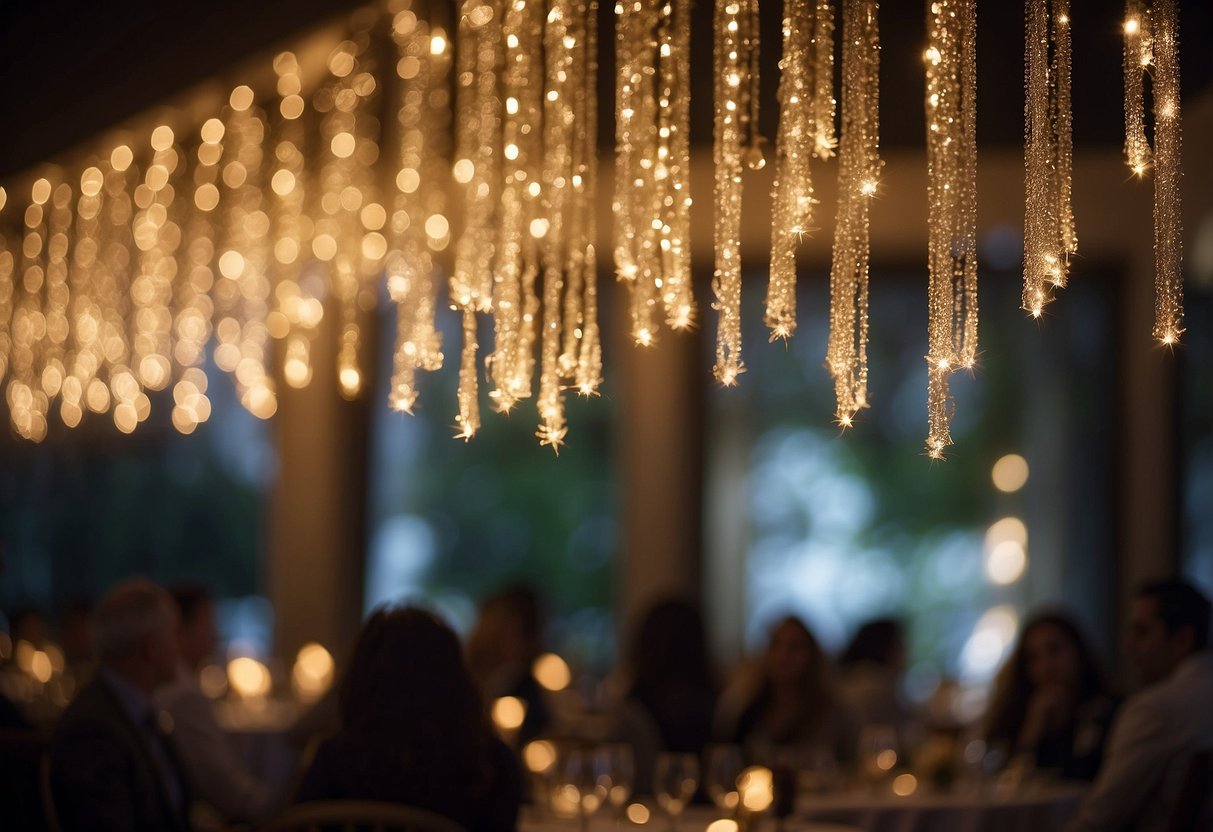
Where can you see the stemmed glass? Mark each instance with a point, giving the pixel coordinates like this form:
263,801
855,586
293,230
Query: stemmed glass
674,781
583,780
878,753
620,768
724,765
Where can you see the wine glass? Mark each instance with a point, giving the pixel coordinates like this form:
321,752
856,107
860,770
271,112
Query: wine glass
619,765
724,765
582,780
878,753
674,781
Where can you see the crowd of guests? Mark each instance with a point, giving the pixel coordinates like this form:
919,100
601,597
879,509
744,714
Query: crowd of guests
139,747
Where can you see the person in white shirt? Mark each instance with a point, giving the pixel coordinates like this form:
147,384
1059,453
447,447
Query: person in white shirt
1160,729
218,774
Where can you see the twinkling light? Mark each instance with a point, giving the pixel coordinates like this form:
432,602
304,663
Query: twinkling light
735,144
478,154
806,129
1168,168
581,357
423,66
1049,235
1139,54
349,129
515,304
297,309
243,288
858,178
637,248
562,78
951,117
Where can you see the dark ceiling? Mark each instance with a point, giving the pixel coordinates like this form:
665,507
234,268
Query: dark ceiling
70,69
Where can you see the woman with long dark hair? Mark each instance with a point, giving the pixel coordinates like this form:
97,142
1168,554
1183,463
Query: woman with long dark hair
1050,701
795,703
414,731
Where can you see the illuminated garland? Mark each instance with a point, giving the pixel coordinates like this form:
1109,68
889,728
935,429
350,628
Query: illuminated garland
858,179
951,116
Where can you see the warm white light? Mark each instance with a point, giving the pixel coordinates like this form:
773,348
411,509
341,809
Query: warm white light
508,713
905,785
552,672
1131,26
638,813
248,677
313,673
1010,473
1006,562
755,787
539,756
1008,528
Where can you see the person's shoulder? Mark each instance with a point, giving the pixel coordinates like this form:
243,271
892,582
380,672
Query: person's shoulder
93,703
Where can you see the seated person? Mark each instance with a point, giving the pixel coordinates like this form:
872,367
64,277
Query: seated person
216,772
501,650
669,693
870,671
1051,703
414,731
793,703
113,763
1162,728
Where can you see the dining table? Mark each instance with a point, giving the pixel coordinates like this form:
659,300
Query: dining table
695,819
1044,808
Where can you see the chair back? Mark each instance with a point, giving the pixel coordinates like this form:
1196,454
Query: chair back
1193,809
49,813
359,815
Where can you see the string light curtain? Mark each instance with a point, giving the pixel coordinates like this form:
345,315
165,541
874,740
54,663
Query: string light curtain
951,119
476,135
1049,235
806,129
858,180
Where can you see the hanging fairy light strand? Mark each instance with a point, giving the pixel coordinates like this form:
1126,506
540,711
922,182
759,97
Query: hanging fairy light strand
858,181
581,359
951,117
1168,169
637,194
806,129
1049,236
561,79
298,308
736,142
1139,54
423,69
478,169
515,304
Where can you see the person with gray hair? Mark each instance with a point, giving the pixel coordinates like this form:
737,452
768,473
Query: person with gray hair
113,764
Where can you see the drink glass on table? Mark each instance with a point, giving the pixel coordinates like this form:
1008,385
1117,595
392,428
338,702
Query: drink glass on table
583,781
674,780
878,754
620,767
724,765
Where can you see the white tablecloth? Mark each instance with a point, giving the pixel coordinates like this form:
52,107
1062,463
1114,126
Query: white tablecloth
1045,810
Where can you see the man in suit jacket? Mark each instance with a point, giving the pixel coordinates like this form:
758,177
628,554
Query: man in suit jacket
113,765
1162,728
218,774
